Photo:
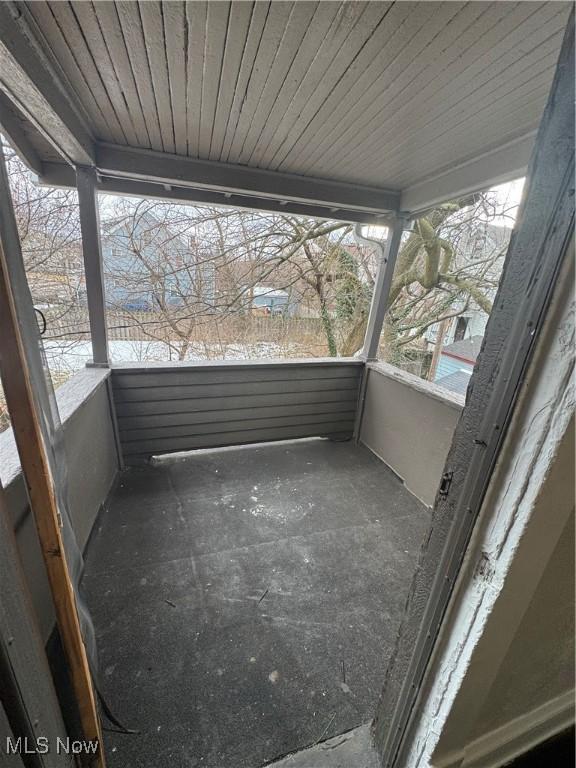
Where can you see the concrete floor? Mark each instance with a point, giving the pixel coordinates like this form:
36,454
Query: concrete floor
246,600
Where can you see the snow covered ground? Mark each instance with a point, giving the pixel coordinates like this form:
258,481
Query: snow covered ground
65,358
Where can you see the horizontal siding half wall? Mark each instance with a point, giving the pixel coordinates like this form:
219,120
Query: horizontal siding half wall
169,408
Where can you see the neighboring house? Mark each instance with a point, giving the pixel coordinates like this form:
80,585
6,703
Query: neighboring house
148,266
456,364
271,301
255,287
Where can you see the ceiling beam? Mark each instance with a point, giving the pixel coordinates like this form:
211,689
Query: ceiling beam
147,165
62,175
31,81
505,163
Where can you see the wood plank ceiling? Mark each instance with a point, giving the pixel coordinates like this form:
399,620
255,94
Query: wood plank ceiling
379,93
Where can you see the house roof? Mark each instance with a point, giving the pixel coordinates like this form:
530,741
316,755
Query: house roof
144,222
466,349
455,382
348,109
263,290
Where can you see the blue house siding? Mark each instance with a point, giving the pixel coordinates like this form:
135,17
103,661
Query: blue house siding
448,365
128,277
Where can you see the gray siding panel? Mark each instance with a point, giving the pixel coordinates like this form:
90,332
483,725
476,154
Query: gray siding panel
234,389
163,409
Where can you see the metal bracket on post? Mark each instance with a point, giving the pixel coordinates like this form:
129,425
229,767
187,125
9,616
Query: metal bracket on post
386,264
93,267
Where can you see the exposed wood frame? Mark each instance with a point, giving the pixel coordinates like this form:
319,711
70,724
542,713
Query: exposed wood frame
93,265
537,252
62,175
32,82
22,398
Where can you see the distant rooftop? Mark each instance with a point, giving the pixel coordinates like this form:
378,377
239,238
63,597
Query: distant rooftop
466,349
263,290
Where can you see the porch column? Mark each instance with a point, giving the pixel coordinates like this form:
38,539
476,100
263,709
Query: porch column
93,267
382,286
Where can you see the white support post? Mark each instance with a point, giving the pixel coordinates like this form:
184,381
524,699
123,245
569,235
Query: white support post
382,288
93,267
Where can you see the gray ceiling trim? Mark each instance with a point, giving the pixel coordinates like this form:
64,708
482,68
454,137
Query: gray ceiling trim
63,175
502,164
148,165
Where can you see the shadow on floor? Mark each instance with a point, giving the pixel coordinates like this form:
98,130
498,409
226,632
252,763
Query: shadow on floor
246,600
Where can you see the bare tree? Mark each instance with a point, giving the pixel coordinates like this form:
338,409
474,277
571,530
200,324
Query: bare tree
447,263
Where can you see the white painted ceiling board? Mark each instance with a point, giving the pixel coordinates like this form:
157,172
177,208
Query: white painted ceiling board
153,26
476,81
111,27
217,20
132,30
42,15
278,19
347,32
444,159
403,43
383,94
196,14
326,20
366,110
175,41
349,62
470,135
239,24
98,51
74,41
291,49
252,41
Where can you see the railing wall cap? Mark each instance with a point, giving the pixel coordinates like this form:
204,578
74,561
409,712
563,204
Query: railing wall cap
235,364
451,399
69,397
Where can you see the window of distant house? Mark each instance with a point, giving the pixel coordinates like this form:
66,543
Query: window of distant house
172,291
461,327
